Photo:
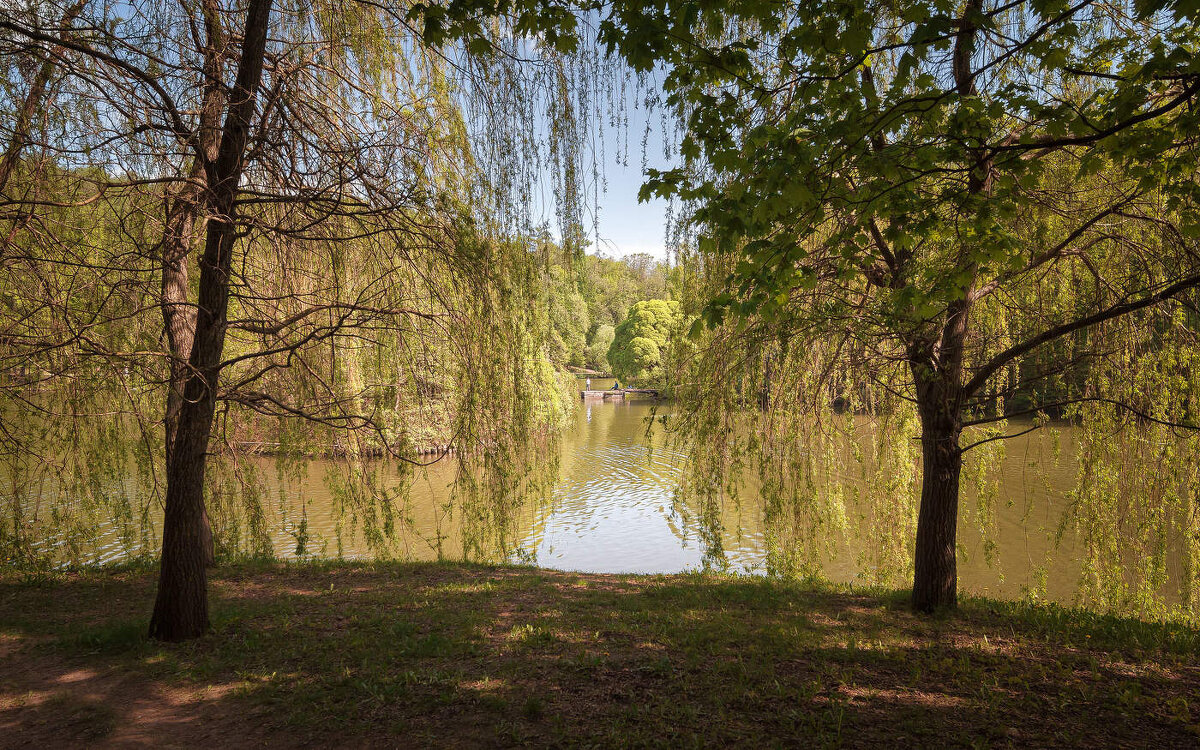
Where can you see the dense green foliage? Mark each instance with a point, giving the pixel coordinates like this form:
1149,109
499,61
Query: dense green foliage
945,215
589,296
640,343
597,350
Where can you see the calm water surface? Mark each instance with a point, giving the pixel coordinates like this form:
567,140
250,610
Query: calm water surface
612,510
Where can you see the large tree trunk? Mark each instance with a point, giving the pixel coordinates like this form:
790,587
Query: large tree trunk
181,605
185,216
935,575
937,373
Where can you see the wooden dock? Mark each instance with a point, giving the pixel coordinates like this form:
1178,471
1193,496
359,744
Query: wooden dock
619,393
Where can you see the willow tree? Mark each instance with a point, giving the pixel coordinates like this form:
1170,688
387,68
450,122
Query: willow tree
953,202
312,162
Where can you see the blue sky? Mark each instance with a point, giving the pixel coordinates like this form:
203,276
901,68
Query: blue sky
626,226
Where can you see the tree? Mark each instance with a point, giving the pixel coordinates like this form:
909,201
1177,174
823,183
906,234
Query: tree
611,285
948,202
640,342
315,169
568,317
597,349
181,604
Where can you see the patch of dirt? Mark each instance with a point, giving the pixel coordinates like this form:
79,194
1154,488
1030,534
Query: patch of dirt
47,701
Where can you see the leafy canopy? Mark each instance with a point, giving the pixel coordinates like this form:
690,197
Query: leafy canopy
641,340
861,124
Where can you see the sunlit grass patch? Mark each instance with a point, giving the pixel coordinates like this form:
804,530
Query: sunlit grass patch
529,634
470,587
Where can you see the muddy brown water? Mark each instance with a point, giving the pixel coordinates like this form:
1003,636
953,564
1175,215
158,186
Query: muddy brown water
613,509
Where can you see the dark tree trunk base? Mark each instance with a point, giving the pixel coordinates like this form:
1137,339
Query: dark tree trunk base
935,575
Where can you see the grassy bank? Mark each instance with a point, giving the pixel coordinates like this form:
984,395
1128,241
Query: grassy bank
455,655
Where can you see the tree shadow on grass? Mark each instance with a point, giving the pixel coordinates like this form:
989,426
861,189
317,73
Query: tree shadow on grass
474,656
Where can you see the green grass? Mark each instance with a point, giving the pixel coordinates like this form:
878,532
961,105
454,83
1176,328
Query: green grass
428,654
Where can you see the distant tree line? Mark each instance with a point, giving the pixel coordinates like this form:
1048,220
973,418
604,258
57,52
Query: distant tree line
589,296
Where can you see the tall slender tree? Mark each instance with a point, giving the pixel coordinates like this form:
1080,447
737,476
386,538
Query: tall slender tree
181,607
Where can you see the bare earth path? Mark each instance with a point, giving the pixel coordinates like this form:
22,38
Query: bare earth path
470,656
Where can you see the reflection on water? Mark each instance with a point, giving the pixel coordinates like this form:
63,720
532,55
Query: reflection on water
612,510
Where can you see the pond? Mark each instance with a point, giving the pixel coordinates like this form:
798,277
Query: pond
613,508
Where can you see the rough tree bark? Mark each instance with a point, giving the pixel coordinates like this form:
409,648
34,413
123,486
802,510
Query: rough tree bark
181,605
185,216
935,573
937,369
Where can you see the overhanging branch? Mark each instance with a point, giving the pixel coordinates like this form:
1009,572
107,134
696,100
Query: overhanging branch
1003,358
